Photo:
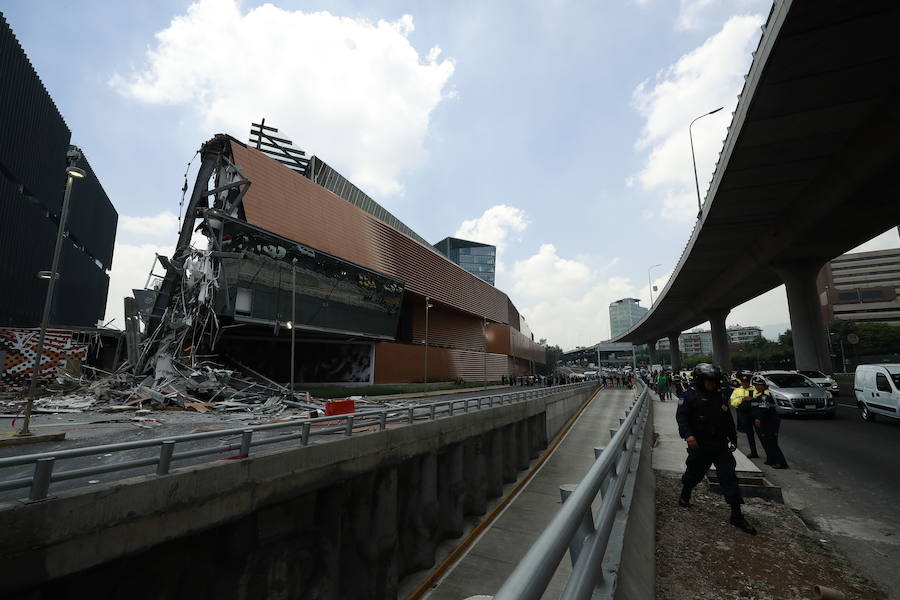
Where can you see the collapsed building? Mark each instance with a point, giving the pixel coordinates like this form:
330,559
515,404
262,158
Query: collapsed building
295,251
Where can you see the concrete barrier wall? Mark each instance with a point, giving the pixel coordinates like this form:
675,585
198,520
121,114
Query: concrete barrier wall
345,519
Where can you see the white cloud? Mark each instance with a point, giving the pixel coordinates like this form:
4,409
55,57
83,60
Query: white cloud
689,13
546,274
131,266
162,224
702,80
496,226
887,240
354,92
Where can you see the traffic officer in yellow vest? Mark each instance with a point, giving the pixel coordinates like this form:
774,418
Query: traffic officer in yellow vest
741,401
767,421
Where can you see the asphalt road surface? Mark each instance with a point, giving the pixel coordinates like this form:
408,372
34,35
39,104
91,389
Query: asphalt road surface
845,481
95,428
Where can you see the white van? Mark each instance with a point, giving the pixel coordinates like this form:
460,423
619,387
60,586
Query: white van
877,390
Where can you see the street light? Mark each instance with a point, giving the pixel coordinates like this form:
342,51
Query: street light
650,281
428,307
694,159
52,276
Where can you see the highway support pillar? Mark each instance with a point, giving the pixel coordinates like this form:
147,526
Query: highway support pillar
651,351
807,326
721,356
674,352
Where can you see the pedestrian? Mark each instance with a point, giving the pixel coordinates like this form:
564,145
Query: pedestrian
706,426
662,386
767,422
741,400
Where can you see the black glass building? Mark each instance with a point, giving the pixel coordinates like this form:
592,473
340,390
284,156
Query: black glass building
476,258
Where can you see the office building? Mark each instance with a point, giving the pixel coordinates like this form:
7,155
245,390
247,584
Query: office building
862,287
699,341
623,314
476,258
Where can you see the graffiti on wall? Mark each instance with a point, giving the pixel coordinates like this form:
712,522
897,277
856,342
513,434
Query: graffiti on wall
18,349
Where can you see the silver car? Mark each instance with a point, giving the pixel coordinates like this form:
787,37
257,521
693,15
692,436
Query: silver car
823,381
797,394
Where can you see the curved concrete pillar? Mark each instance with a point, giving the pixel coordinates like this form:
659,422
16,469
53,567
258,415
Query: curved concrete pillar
721,355
807,326
651,351
674,352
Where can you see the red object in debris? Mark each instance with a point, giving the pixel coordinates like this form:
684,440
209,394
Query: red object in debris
339,407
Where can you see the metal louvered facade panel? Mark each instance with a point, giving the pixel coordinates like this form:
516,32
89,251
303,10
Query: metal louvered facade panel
34,135
92,218
403,363
290,205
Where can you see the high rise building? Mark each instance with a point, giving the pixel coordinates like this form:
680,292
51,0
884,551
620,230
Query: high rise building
623,314
476,258
862,286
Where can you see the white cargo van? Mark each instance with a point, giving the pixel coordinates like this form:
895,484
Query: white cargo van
877,389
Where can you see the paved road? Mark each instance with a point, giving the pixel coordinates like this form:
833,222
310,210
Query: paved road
93,428
845,481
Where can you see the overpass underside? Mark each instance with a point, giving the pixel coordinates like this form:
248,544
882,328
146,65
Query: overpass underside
808,171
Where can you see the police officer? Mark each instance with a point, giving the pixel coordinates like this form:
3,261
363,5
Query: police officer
740,400
767,422
705,424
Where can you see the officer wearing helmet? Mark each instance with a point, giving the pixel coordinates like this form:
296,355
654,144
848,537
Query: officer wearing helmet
741,399
767,423
705,424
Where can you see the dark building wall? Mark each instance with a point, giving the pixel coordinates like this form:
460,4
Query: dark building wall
34,140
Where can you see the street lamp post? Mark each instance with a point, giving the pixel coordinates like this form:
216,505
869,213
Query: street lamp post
293,320
484,354
694,158
428,307
72,173
650,281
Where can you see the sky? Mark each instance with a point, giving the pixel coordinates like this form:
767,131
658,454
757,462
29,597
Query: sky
554,129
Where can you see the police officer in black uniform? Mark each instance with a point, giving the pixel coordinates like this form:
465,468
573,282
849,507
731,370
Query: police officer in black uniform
705,423
767,423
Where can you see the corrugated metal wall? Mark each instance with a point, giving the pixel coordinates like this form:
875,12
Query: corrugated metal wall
405,363
34,135
448,328
92,218
290,205
34,140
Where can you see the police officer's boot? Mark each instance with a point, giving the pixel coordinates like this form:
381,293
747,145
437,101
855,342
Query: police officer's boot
738,520
685,498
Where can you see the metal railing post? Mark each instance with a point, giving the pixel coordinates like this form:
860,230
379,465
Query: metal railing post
349,430
432,411
40,481
304,433
412,415
246,437
166,449
451,407
382,420
585,528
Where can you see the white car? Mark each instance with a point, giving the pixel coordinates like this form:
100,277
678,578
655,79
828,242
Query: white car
877,389
823,381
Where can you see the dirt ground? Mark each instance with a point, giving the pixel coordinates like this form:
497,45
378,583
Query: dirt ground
699,555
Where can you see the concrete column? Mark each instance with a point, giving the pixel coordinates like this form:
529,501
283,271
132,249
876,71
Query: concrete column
807,327
675,352
651,349
721,356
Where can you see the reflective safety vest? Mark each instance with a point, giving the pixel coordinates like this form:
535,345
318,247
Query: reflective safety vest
739,395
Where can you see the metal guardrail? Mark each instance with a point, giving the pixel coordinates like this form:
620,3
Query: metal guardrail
303,430
575,528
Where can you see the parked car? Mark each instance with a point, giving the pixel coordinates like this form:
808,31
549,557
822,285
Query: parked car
877,389
823,380
796,394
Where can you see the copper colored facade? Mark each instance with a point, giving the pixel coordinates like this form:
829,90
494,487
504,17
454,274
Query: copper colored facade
467,316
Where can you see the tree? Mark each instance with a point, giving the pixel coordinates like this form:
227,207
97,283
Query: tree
553,354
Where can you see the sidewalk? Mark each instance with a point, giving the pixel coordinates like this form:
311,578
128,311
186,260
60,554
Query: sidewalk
670,450
490,560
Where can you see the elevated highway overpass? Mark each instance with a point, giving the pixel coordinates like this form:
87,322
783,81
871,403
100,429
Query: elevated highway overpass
809,170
